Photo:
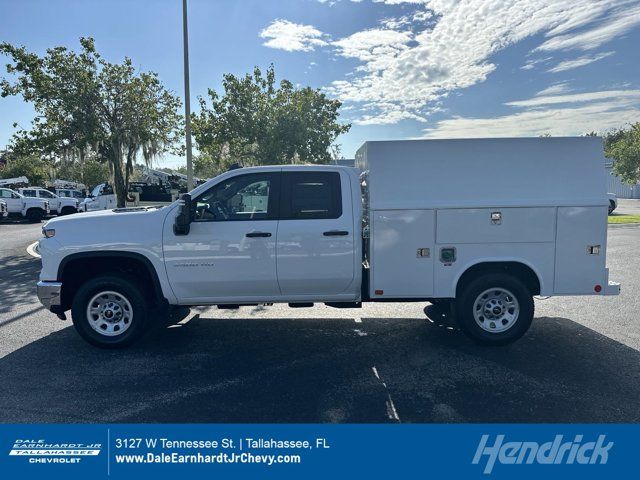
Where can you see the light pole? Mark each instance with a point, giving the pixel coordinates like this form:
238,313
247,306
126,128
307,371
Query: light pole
187,96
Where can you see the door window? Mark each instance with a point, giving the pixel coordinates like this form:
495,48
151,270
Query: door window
312,195
29,193
6,194
244,197
46,194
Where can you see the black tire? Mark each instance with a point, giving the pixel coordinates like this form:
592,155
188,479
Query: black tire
464,309
35,215
67,211
612,207
125,287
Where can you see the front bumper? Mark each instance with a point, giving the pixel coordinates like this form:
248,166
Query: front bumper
49,294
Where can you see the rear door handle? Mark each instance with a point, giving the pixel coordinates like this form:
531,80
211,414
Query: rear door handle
336,233
258,234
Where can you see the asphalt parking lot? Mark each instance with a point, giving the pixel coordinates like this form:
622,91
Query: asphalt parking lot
580,362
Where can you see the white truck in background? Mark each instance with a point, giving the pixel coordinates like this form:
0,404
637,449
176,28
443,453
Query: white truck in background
58,205
101,197
19,206
481,224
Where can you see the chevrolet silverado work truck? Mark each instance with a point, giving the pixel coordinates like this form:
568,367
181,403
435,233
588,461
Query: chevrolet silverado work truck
481,225
58,205
19,206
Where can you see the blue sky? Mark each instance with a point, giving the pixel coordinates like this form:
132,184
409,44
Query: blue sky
403,68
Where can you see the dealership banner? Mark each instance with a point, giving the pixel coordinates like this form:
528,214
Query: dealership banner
122,451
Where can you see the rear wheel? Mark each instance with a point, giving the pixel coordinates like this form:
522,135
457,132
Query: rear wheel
109,312
495,309
35,215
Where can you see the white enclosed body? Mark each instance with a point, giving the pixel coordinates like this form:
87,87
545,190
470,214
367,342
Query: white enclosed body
540,202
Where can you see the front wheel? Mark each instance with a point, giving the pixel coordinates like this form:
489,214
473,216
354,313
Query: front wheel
35,215
495,309
67,211
109,312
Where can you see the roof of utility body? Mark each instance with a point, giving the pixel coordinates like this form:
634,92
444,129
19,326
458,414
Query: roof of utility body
484,172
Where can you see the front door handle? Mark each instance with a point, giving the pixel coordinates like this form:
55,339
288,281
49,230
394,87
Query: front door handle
258,234
336,233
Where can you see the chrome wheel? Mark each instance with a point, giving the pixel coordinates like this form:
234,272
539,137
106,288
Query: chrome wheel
496,310
109,313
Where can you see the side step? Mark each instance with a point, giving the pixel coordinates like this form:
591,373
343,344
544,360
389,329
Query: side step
344,304
235,306
301,305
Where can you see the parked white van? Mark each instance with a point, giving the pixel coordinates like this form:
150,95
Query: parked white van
482,224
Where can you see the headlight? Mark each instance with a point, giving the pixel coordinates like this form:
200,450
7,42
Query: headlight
48,232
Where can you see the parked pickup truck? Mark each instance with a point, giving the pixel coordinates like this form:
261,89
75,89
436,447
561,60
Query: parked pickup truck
19,206
483,225
58,205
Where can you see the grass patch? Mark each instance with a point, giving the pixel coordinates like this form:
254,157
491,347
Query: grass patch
624,218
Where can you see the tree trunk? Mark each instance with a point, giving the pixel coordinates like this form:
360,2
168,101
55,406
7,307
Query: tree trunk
119,182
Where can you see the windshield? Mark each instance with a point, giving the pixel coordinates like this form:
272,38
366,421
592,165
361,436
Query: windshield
97,190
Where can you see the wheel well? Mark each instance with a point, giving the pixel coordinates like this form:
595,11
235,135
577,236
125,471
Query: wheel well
517,269
82,267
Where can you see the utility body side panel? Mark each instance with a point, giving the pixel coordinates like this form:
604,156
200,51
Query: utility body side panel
402,253
540,202
577,270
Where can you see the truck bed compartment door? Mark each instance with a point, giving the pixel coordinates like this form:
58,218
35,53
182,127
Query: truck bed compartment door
403,253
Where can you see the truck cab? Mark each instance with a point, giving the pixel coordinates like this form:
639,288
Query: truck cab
19,206
70,193
58,205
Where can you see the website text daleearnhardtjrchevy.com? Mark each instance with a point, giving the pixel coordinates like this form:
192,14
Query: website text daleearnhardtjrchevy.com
247,450
220,458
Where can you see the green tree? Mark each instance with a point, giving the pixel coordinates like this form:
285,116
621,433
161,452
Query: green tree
86,105
259,122
30,166
623,146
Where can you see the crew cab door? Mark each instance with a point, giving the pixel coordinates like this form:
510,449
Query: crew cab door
315,252
54,201
229,254
12,199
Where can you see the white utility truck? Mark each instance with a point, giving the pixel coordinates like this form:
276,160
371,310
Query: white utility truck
57,205
483,225
19,206
101,197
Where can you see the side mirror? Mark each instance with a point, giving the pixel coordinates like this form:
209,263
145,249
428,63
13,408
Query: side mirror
183,220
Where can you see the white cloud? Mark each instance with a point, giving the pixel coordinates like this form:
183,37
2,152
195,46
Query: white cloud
555,89
563,115
620,23
435,47
289,36
578,62
613,95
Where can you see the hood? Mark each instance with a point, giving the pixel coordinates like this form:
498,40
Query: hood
106,218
